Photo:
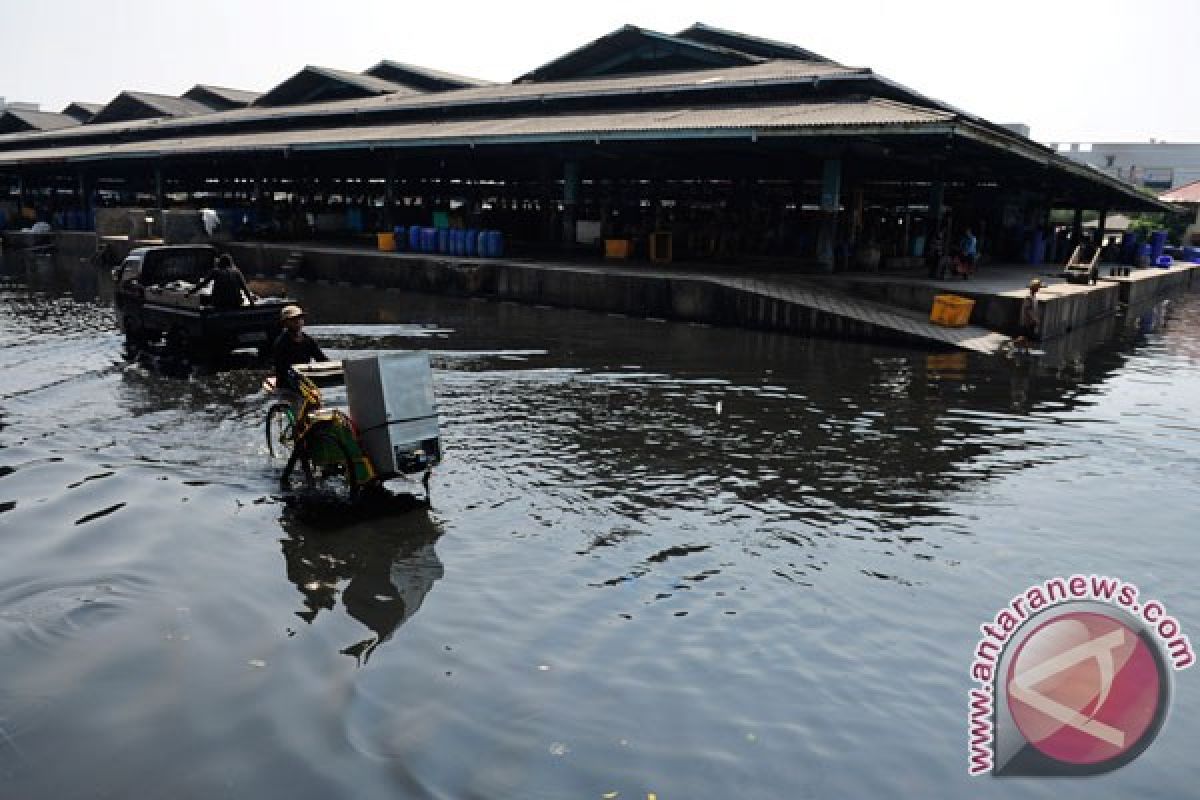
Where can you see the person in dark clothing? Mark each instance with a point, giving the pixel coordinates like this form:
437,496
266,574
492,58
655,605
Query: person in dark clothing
228,282
1029,322
293,346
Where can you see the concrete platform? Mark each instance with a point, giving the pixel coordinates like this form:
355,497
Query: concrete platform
890,307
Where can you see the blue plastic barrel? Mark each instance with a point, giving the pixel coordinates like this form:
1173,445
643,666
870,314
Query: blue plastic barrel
443,240
1038,248
458,245
414,239
1128,247
470,242
1158,240
1164,261
496,243
401,234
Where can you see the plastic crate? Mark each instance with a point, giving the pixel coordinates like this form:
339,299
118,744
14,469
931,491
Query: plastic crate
951,310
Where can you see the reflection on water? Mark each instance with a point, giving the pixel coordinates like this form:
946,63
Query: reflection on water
381,572
668,559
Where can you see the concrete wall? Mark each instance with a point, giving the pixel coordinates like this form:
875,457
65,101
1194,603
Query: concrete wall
1061,314
683,299
1144,286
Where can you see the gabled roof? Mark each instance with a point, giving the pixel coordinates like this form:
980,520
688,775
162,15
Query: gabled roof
322,84
220,98
421,78
1188,193
146,105
753,45
15,120
83,111
631,50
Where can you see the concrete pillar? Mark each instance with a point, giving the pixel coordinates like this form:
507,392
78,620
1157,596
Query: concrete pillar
1100,225
85,192
570,202
1077,228
389,196
831,197
159,200
937,201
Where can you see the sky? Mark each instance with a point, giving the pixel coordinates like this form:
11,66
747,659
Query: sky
1096,71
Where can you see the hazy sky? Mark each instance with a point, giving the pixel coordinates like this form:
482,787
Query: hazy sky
1103,70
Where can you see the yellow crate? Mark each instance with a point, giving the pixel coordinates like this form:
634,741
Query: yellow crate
951,310
387,241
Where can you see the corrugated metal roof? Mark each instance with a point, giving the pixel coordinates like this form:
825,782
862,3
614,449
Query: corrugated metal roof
754,45
604,55
674,124
772,73
297,90
234,97
1188,193
83,112
41,120
419,77
138,104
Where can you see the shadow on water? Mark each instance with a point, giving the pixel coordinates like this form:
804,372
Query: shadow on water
378,557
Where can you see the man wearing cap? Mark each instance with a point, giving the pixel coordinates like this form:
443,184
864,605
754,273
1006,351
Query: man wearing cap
1029,322
293,346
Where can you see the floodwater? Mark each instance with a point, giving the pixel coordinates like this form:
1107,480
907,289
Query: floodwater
661,558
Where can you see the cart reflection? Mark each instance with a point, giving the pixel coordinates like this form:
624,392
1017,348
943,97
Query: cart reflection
380,569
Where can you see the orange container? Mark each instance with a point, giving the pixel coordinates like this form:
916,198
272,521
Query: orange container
616,248
387,241
951,310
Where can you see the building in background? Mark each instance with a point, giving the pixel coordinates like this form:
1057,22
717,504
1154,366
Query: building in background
1158,166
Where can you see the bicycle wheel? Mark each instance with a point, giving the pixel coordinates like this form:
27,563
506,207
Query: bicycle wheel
326,466
281,426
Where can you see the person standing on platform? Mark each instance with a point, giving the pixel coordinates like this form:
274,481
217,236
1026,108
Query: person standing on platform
968,252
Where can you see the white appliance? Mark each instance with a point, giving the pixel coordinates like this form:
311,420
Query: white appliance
392,404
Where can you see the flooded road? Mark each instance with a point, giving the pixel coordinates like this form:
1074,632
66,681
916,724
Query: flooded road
661,558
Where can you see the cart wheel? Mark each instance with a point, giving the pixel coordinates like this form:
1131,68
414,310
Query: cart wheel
327,466
281,426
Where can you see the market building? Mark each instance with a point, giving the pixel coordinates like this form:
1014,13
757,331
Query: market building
739,148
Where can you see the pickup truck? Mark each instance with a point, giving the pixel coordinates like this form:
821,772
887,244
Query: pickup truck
154,299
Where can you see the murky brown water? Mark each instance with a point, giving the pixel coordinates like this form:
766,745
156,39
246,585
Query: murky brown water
661,558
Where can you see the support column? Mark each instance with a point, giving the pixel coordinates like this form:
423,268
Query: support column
1100,224
570,202
831,196
1077,228
159,200
389,196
